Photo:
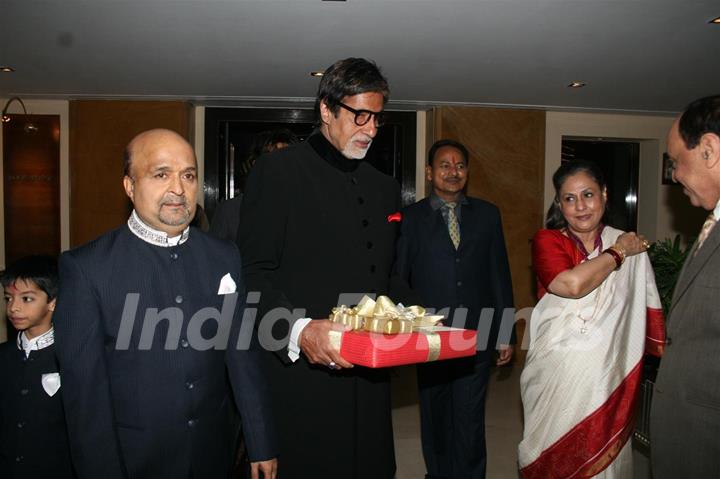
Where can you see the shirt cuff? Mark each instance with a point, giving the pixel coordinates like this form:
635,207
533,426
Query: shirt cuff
294,344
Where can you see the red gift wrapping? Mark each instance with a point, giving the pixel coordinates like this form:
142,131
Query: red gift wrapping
376,350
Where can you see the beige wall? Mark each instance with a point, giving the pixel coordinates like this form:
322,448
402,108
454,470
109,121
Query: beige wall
663,211
197,135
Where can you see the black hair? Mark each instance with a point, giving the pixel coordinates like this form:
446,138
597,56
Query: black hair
265,141
349,77
700,117
555,218
39,269
127,160
441,143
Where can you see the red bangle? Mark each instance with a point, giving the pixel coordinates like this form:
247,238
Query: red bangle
616,256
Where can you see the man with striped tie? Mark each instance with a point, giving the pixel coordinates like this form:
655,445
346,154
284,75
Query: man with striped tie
452,253
685,417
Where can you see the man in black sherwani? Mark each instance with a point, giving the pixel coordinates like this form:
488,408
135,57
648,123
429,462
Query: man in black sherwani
147,327
314,225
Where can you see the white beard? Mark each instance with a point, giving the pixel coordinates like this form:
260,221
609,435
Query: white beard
353,152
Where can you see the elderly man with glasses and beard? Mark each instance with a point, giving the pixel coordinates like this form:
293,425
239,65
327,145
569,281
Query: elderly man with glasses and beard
315,224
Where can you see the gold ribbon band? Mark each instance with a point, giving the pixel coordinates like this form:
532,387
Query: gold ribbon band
433,340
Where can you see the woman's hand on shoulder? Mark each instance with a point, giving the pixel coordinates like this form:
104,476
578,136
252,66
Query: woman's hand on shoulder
631,243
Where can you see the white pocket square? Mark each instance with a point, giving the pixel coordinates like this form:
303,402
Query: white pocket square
227,285
51,383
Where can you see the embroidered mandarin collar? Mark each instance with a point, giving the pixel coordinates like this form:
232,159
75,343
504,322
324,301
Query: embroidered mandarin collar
38,342
153,236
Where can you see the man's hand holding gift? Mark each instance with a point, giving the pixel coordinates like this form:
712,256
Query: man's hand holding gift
315,343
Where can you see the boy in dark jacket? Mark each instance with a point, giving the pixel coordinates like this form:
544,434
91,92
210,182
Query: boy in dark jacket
33,436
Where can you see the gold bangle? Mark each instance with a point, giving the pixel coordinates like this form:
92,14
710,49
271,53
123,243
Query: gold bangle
620,250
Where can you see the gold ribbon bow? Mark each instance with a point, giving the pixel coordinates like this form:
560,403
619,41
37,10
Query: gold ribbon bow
383,316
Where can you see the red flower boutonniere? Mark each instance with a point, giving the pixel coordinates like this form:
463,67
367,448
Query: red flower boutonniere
395,217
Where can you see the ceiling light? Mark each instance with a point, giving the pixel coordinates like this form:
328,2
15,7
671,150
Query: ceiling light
7,69
317,73
715,21
576,84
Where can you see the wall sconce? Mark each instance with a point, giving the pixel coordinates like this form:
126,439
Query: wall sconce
29,126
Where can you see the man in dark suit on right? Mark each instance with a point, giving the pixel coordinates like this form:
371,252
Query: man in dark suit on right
452,253
685,417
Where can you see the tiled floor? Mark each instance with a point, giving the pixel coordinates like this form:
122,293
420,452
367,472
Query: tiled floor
503,426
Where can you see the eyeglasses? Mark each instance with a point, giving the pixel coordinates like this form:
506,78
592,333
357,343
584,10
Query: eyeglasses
363,116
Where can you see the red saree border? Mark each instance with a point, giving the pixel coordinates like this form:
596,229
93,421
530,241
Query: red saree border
655,335
590,446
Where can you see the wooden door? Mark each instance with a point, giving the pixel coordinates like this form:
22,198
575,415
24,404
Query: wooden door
31,170
507,158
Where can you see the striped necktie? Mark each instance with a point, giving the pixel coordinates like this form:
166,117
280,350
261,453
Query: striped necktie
705,231
452,223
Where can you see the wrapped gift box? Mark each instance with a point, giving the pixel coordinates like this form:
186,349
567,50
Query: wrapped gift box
384,334
377,350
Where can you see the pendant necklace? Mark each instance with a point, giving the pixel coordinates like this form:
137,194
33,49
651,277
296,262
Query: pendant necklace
584,328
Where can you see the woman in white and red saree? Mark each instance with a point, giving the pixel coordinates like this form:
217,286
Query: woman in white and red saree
598,312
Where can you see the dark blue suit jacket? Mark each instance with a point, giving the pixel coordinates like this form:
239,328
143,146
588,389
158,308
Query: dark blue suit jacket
165,409
473,277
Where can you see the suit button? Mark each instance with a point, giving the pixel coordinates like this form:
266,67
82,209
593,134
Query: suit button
173,256
668,341
365,223
361,200
189,385
369,245
24,392
178,299
19,459
184,343
192,422
20,424
459,283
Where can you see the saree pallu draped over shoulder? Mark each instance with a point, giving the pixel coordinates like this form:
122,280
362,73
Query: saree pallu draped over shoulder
583,370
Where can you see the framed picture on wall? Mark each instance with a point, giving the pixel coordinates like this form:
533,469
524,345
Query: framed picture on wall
667,170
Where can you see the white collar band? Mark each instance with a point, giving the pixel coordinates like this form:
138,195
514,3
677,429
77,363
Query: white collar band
153,236
38,342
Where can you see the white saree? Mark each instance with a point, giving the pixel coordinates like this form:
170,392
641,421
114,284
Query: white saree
582,373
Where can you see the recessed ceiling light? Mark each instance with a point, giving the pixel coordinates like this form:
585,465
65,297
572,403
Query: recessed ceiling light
317,73
576,84
715,21
7,69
